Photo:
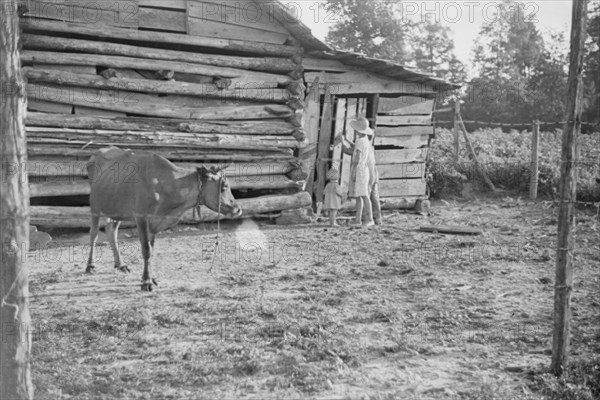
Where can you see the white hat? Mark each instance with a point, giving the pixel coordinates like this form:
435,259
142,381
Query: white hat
361,125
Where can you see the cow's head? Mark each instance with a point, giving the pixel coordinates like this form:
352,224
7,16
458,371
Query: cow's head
215,192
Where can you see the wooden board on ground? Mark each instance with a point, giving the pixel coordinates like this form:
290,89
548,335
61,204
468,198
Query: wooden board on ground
458,230
395,120
400,156
400,171
402,187
424,107
408,142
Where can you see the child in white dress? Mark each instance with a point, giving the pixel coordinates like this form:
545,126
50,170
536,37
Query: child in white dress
333,196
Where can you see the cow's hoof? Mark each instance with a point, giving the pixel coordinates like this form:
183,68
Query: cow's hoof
147,285
90,269
123,268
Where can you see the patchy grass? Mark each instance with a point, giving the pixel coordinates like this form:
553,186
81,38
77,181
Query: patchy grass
392,313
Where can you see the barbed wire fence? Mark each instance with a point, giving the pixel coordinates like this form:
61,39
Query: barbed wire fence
535,127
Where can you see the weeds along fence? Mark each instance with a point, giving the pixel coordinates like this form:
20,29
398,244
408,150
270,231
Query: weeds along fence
526,158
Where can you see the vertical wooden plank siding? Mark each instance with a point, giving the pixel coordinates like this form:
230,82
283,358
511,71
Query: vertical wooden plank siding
324,143
340,125
310,125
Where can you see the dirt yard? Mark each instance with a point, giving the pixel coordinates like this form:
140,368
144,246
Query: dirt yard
316,312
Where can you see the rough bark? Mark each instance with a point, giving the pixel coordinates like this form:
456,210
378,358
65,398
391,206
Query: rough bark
15,346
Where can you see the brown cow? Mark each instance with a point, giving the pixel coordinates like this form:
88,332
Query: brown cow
147,188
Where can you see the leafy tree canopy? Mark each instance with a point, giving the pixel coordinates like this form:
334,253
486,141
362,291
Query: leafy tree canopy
368,27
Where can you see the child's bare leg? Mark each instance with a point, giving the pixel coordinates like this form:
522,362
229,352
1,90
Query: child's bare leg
332,217
359,210
368,211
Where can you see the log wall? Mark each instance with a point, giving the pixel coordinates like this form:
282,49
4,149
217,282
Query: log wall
194,81
207,81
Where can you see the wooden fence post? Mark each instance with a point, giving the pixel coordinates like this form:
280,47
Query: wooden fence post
479,166
456,129
568,183
533,181
15,346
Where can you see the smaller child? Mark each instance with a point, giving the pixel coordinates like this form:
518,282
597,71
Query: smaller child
333,196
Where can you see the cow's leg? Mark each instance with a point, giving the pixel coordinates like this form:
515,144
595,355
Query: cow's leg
146,240
93,236
112,230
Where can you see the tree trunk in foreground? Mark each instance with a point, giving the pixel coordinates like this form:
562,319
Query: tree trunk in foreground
15,346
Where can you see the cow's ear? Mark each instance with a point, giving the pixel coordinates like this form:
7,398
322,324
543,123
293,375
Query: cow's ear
203,171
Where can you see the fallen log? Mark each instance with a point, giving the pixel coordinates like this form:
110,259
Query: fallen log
266,127
79,217
265,64
157,138
451,229
142,104
211,91
239,77
237,46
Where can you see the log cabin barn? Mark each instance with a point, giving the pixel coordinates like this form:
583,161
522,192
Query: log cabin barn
210,82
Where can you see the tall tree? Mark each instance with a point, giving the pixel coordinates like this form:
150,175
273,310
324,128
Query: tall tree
433,51
505,55
547,83
15,346
369,27
509,46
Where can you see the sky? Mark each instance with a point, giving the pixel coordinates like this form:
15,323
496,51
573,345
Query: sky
463,17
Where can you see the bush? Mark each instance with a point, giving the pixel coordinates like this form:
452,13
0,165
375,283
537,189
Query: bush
507,161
